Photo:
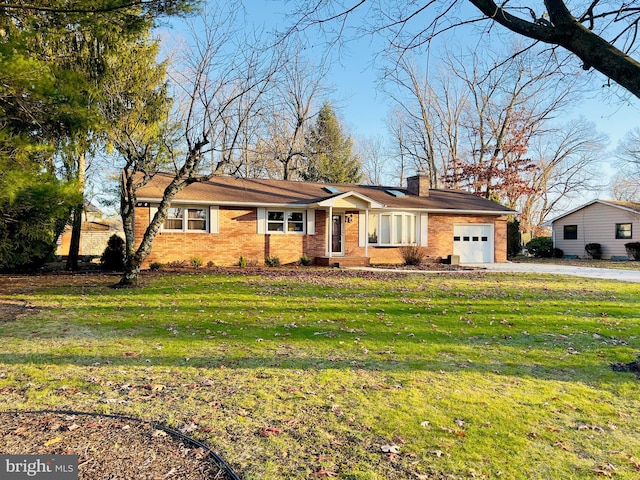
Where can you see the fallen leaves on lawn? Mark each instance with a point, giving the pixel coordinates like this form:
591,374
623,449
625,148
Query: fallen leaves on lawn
605,470
269,431
323,473
390,449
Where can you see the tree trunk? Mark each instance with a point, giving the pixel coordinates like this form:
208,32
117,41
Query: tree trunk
74,246
131,273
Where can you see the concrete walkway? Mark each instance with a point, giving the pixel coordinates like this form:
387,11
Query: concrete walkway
542,268
587,272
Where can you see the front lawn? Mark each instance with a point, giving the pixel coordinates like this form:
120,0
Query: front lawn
296,374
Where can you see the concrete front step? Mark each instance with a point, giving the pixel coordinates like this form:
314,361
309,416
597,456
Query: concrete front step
343,261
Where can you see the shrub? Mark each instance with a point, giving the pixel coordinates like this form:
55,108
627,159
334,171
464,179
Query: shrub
305,260
196,262
514,242
210,264
242,262
272,261
540,247
413,254
558,253
178,264
594,250
156,266
633,250
113,256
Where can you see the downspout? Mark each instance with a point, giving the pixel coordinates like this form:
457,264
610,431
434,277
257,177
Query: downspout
366,233
330,239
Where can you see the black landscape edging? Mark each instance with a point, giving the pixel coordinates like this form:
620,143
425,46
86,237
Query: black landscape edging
213,455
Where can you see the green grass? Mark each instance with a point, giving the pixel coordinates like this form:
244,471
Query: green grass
285,373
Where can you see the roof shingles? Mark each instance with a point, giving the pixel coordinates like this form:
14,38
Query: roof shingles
224,190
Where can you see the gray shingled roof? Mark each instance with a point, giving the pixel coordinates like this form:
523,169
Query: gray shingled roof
224,190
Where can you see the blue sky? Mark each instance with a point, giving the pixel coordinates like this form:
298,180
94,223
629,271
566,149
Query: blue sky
363,108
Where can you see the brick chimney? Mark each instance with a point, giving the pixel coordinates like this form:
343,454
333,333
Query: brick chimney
418,185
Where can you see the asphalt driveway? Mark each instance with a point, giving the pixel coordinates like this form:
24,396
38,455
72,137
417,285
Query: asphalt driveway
588,272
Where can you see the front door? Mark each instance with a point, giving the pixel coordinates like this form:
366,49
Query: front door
336,234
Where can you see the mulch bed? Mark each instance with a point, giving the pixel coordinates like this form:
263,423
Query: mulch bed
109,447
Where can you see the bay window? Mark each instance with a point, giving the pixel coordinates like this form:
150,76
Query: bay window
392,228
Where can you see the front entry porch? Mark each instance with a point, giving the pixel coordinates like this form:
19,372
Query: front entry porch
343,261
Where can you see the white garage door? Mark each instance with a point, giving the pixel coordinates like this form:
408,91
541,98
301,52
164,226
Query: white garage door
473,243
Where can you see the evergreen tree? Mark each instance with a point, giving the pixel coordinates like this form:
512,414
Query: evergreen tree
53,57
329,152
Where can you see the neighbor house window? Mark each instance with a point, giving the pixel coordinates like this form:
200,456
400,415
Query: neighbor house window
283,221
623,230
570,232
186,219
392,228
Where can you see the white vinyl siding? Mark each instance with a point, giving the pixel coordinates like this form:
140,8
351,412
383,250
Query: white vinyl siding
596,224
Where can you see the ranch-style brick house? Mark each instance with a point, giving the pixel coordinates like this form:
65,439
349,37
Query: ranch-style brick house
225,218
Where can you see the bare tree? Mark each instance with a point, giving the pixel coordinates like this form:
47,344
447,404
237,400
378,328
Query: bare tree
431,109
506,104
290,109
396,124
418,105
602,35
217,89
627,183
567,163
375,161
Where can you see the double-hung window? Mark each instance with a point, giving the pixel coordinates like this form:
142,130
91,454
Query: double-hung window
623,231
186,219
392,228
281,221
570,232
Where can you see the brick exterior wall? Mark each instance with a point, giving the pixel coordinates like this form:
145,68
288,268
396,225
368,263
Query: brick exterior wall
441,234
238,237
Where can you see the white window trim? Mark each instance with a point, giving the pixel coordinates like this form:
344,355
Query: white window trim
185,219
414,219
263,221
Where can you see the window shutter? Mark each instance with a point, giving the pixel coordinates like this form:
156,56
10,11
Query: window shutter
311,222
214,219
262,220
423,241
362,228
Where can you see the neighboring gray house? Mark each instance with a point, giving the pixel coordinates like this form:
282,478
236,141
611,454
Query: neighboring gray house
610,223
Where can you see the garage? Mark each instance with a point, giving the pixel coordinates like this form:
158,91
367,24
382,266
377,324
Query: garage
473,243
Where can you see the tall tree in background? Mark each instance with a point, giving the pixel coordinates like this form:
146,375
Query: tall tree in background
375,164
136,109
216,89
329,151
601,35
52,58
289,114
627,182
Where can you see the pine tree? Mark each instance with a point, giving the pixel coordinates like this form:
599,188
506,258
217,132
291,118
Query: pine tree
329,152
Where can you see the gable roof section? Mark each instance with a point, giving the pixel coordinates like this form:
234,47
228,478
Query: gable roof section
231,191
631,207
